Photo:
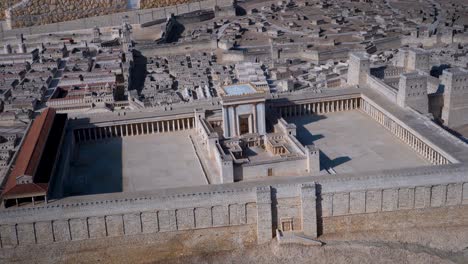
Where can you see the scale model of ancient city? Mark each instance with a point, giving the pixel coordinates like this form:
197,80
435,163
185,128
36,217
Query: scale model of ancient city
213,131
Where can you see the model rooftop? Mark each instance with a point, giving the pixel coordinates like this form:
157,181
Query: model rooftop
239,89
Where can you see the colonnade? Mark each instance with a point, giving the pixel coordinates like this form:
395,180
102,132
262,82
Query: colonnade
135,129
405,135
319,107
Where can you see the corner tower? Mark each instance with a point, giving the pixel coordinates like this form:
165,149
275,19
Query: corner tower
359,68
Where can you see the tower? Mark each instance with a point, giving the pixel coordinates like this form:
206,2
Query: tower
455,110
412,92
359,68
413,59
126,35
96,35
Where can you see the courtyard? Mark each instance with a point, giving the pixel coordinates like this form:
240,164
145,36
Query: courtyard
352,142
137,163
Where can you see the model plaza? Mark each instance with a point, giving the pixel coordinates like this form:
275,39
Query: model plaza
246,135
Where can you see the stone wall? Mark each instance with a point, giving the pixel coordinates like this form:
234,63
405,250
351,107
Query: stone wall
4,5
378,85
161,3
265,204
125,217
72,15
40,12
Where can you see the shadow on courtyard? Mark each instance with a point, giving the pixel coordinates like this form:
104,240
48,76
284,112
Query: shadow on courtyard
303,134
95,168
326,162
306,137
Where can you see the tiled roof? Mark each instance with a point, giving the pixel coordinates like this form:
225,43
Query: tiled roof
29,157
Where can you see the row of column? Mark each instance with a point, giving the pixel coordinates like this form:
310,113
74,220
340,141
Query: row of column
319,107
125,130
406,136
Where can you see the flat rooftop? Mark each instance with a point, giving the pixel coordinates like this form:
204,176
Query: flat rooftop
239,89
352,142
137,163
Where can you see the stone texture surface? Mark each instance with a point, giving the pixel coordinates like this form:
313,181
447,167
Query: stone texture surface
4,5
161,3
40,12
432,242
97,227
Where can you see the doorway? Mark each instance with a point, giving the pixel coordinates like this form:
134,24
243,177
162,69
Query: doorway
244,124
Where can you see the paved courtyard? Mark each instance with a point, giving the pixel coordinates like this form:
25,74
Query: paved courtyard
351,141
137,163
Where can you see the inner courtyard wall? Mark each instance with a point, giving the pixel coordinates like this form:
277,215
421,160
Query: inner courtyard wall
285,167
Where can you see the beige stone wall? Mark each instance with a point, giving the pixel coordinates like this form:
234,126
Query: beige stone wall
4,5
161,3
40,12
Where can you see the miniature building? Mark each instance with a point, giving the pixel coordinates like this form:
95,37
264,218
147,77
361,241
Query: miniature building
243,110
412,92
413,59
455,110
35,163
359,66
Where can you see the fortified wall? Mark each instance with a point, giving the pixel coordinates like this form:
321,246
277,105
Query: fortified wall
4,5
312,206
40,12
90,13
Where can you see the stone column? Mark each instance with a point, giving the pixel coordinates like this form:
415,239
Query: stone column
157,127
261,126
254,110
77,136
232,121
309,209
238,131
264,215
251,125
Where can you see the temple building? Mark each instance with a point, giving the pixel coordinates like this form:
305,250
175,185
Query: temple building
243,110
